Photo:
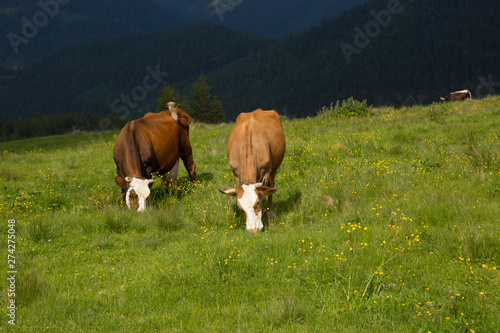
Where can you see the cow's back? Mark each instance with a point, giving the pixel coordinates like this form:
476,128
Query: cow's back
158,136
152,140
256,145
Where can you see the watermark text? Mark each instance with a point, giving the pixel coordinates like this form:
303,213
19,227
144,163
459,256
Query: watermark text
29,29
486,86
123,105
372,29
11,271
139,93
222,6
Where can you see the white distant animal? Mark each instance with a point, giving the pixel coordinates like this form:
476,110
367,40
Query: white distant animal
457,96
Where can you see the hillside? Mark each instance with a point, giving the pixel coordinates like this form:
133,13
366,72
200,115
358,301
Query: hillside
385,223
413,56
90,77
72,23
426,50
279,18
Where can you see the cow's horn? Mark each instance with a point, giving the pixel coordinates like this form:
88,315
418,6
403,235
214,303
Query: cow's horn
228,191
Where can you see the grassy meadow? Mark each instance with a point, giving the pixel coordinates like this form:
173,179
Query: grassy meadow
384,223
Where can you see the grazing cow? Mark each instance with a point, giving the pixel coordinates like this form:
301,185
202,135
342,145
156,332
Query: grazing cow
256,148
152,144
457,96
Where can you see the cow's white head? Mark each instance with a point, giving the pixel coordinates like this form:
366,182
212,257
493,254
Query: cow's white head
138,190
249,196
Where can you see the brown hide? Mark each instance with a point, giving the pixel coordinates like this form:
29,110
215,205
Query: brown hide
152,144
457,96
256,148
184,118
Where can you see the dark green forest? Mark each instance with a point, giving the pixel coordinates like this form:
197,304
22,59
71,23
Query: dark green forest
37,30
277,18
426,50
95,75
398,52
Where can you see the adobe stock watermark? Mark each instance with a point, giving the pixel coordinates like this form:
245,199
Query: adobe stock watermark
371,29
11,271
127,102
222,6
139,93
48,9
284,112
486,84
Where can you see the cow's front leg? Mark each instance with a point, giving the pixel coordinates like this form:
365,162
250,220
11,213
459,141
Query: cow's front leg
149,171
270,208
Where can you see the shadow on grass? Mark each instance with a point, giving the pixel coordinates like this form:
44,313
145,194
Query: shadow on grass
205,177
182,187
284,206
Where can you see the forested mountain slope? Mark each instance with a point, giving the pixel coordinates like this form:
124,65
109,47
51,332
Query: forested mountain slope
277,18
425,50
386,52
32,29
90,77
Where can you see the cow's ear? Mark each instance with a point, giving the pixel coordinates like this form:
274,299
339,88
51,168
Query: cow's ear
184,118
265,190
121,182
228,190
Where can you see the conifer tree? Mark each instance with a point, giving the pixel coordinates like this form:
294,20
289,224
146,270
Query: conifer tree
205,107
169,94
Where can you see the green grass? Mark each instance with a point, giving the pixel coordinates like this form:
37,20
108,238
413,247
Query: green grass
386,223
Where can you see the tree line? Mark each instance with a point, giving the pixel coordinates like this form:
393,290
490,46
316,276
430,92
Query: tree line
201,105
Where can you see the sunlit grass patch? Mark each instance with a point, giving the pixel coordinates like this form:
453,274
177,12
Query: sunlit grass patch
42,230
30,288
286,310
169,220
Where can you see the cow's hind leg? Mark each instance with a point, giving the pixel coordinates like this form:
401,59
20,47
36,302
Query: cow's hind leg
170,177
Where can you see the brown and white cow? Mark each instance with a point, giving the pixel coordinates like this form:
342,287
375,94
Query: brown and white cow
256,148
457,96
148,145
